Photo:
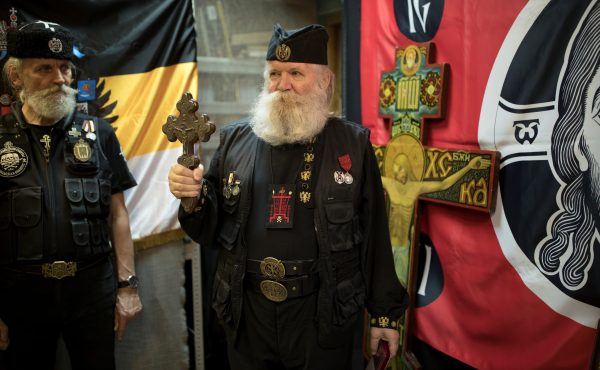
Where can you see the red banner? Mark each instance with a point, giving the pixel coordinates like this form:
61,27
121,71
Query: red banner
517,289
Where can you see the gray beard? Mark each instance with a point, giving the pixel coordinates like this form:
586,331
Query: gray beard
286,118
52,103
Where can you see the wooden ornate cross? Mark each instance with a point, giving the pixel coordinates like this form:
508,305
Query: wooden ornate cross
189,128
410,94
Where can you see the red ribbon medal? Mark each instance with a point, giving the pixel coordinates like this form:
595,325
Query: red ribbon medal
346,164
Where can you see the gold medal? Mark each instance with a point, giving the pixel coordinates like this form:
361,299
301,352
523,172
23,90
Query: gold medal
82,151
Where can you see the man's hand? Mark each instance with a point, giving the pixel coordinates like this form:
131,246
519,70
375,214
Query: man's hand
185,183
4,341
128,307
390,335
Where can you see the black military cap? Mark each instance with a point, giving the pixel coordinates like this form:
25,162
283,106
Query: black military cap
40,39
304,45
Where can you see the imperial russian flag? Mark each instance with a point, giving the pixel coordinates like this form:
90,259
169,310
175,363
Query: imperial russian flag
520,288
136,59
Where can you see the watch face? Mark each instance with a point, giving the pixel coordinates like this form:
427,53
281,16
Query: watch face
131,282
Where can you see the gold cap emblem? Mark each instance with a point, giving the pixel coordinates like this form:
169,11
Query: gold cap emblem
283,52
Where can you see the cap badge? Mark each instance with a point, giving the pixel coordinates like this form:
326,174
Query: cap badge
55,45
283,52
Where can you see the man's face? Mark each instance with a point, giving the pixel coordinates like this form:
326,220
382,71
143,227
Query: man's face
38,74
591,133
45,90
300,78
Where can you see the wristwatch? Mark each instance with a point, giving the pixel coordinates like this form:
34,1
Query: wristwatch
131,282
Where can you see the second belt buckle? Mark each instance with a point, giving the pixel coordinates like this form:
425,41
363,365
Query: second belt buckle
273,290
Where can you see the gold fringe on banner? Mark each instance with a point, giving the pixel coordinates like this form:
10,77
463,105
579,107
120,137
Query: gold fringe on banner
156,240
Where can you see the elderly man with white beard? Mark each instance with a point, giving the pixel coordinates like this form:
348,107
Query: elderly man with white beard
294,204
62,215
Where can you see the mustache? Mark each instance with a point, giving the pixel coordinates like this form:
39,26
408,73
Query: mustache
58,89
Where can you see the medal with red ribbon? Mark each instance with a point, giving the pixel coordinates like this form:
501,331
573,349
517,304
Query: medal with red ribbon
346,164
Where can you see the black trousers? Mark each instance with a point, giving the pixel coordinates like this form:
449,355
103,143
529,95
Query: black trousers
81,308
283,336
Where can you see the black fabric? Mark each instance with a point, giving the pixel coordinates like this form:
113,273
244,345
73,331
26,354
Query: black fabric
283,336
40,309
47,240
304,45
40,39
278,165
432,359
357,222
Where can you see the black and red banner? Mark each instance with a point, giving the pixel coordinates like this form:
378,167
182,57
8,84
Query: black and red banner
517,288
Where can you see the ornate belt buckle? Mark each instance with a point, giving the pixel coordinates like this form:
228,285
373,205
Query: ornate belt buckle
272,268
59,269
273,291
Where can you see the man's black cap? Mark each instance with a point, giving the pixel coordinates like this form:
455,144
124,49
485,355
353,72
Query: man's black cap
40,39
304,45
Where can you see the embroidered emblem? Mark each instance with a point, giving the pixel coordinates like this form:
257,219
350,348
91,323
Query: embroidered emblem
306,174
13,160
283,52
55,45
281,206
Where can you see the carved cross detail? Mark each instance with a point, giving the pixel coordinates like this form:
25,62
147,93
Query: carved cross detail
189,128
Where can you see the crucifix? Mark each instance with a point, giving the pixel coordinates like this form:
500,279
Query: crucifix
189,128
408,95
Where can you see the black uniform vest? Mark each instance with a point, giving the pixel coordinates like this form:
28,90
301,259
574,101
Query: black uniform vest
55,207
342,288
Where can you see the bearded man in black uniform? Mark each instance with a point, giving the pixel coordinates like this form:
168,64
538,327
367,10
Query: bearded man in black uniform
62,214
294,203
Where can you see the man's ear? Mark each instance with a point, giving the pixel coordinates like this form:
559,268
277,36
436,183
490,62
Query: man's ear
15,78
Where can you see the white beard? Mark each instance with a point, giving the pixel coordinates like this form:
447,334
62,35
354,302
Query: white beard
286,117
52,103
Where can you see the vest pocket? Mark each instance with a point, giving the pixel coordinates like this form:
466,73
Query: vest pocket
74,192
340,225
81,232
91,194
350,298
27,219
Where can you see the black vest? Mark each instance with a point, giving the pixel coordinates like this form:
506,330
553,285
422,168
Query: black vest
53,207
342,288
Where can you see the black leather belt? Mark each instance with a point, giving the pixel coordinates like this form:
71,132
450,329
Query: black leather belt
280,290
55,269
276,269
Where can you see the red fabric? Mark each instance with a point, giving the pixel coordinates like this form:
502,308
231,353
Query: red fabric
485,316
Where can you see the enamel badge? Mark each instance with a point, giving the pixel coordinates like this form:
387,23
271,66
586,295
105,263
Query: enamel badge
13,160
